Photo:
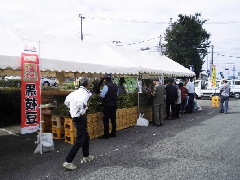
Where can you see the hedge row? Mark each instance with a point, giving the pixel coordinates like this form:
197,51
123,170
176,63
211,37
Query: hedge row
10,103
10,83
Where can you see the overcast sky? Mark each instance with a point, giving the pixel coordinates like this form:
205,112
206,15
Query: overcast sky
128,21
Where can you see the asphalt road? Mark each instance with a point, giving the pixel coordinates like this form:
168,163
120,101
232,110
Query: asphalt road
201,145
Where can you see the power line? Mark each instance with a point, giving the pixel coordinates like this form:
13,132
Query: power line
227,56
54,25
155,22
139,42
223,22
128,20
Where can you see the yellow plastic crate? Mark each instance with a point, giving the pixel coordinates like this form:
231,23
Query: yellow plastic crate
58,133
46,127
70,136
57,121
68,124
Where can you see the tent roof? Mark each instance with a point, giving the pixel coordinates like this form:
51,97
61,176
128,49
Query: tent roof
63,54
153,62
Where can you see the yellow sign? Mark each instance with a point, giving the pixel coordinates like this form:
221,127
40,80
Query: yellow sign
214,76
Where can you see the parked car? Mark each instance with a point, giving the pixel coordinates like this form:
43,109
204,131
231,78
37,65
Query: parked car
49,81
12,78
45,81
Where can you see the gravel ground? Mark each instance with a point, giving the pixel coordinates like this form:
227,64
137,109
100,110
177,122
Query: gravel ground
201,145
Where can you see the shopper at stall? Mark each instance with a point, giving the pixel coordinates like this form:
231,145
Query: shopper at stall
191,93
77,102
178,103
121,87
184,93
97,83
224,96
171,99
109,94
158,101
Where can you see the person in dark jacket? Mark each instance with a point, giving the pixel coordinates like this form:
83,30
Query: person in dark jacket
121,87
158,102
171,99
97,83
109,94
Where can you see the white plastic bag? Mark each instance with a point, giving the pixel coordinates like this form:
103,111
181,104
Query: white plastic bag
196,105
142,121
47,143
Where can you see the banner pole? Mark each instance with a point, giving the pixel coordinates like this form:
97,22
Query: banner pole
40,108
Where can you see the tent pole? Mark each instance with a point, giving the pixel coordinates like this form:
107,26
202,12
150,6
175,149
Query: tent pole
139,111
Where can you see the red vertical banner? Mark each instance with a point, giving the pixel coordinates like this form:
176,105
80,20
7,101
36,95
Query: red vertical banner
30,93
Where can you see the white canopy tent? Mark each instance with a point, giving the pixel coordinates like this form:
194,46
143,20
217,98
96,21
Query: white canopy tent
153,62
61,54
175,68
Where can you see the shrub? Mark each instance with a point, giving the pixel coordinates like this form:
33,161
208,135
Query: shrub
10,105
10,83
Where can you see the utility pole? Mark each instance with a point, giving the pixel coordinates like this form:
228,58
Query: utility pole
81,17
160,44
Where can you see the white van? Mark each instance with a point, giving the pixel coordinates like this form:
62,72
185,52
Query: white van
235,88
204,89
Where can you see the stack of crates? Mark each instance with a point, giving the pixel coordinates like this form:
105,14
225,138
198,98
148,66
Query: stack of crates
91,118
70,131
127,118
95,125
119,119
58,127
134,116
46,122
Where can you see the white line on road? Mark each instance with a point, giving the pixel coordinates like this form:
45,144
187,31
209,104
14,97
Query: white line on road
9,132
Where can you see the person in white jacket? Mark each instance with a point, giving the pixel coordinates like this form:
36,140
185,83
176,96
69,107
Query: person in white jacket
77,101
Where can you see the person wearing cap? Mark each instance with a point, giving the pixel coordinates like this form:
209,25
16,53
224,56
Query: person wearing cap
171,99
224,96
121,87
109,94
191,93
97,83
158,101
77,102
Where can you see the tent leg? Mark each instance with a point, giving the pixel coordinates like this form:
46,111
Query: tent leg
139,92
139,103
